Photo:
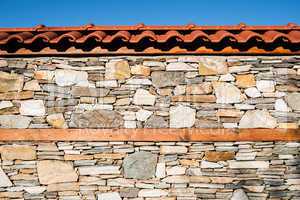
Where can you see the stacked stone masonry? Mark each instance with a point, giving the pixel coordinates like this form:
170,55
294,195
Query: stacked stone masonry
150,92
150,170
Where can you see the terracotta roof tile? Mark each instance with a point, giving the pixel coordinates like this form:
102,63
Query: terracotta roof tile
141,39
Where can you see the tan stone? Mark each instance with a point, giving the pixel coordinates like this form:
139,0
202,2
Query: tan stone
245,80
215,156
199,179
44,75
203,88
229,113
114,156
32,85
140,70
63,187
117,70
188,162
288,125
18,152
194,98
16,95
221,180
212,66
57,120
54,171
227,93
10,82
78,157
173,149
176,179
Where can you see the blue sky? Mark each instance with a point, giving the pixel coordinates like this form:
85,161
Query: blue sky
26,13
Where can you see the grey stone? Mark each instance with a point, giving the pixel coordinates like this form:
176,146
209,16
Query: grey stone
239,194
163,79
129,192
140,165
156,122
89,92
97,119
293,100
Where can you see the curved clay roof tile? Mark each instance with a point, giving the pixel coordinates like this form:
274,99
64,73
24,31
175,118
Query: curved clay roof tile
145,34
71,36
124,35
46,37
19,37
271,36
97,35
245,36
220,35
168,35
195,35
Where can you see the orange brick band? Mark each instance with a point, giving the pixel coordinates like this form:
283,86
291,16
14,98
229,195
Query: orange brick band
150,135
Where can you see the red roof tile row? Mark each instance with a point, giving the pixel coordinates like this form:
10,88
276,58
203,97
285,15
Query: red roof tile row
141,39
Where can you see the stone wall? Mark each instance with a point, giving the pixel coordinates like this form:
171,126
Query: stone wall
150,170
150,92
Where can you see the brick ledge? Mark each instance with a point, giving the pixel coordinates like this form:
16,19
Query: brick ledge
150,135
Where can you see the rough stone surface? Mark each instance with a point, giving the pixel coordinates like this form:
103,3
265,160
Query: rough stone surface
265,86
143,97
143,115
182,116
17,152
212,66
227,93
163,79
4,180
203,88
109,196
11,82
32,108
156,122
140,165
215,156
252,92
257,119
245,81
239,194
57,120
293,100
70,77
98,119
14,121
32,86
54,171
117,70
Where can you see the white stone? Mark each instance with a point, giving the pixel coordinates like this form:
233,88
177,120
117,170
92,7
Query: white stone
14,121
245,156
181,66
152,193
153,64
265,86
237,69
142,115
179,89
6,104
107,83
182,116
32,86
227,93
35,189
32,108
173,149
244,106
252,92
139,81
248,164
239,194
176,170
109,196
84,106
226,77
160,170
207,164
130,124
96,170
257,119
4,180
87,68
70,77
230,125
143,97
280,105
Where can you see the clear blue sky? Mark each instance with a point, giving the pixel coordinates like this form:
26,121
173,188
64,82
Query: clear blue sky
24,13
